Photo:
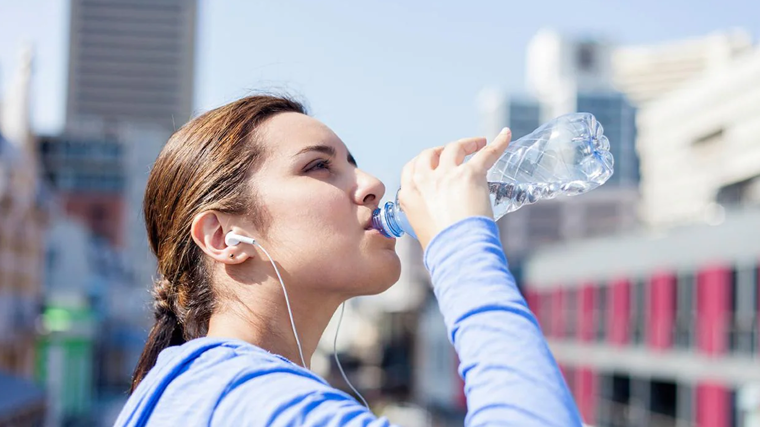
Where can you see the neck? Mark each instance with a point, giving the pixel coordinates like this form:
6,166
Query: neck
263,320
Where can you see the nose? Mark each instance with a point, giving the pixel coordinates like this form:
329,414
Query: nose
369,190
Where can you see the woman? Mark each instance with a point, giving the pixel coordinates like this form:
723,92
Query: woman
223,349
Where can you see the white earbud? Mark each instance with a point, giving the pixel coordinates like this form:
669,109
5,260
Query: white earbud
232,239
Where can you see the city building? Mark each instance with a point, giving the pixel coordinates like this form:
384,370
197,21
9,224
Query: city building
131,77
131,60
597,213
88,176
99,263
661,326
645,73
655,329
23,218
699,146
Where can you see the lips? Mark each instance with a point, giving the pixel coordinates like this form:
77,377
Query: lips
368,225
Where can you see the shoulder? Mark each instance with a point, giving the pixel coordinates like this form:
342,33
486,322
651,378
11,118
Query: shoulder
231,382
234,360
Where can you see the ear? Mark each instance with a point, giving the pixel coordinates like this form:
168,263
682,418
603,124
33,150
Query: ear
208,233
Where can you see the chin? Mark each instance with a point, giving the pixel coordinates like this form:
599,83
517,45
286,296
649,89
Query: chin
388,277
385,275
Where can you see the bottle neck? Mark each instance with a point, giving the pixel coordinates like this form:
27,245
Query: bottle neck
389,220
384,220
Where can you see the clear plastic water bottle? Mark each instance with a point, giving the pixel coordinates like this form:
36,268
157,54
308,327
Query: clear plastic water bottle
569,155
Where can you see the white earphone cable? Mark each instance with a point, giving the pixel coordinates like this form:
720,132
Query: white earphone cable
335,353
293,323
287,302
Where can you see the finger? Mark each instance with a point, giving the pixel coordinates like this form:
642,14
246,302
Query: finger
487,157
428,159
453,154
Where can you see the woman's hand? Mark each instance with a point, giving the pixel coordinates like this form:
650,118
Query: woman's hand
438,189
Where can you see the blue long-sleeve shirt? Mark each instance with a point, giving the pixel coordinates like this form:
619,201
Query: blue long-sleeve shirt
511,378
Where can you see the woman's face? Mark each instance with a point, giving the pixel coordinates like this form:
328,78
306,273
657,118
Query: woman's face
320,205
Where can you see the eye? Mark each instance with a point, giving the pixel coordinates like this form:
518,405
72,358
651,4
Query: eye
323,164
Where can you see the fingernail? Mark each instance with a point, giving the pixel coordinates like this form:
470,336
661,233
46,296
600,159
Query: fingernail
505,130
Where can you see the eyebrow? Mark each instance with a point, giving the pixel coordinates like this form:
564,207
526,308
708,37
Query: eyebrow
326,149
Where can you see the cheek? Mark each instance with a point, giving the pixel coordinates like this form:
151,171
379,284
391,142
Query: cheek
309,219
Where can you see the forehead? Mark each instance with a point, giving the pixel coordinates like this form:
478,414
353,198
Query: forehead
286,134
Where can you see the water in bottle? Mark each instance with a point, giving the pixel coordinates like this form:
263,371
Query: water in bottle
568,156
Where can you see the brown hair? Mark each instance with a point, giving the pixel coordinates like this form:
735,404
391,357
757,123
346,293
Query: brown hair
204,166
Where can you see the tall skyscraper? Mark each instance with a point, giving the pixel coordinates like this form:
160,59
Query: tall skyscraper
131,60
131,72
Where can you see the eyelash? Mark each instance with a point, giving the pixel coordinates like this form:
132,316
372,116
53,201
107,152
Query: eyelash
322,164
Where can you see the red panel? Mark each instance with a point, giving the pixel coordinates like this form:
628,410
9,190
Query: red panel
558,317
586,394
586,312
661,318
619,310
532,298
713,305
547,311
713,408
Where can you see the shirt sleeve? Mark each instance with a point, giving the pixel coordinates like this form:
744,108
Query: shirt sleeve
510,375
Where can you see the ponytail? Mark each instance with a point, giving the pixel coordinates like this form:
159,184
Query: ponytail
166,332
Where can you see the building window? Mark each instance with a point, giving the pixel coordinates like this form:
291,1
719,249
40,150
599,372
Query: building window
586,57
685,310
571,313
663,401
743,330
601,317
638,311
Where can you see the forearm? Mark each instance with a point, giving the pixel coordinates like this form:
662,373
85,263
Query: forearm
510,375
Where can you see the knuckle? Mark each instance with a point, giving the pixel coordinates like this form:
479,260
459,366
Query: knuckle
429,152
418,177
490,150
473,173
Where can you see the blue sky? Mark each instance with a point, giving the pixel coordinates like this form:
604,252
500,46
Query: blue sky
391,77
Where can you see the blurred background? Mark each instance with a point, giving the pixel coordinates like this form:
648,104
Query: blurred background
647,288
